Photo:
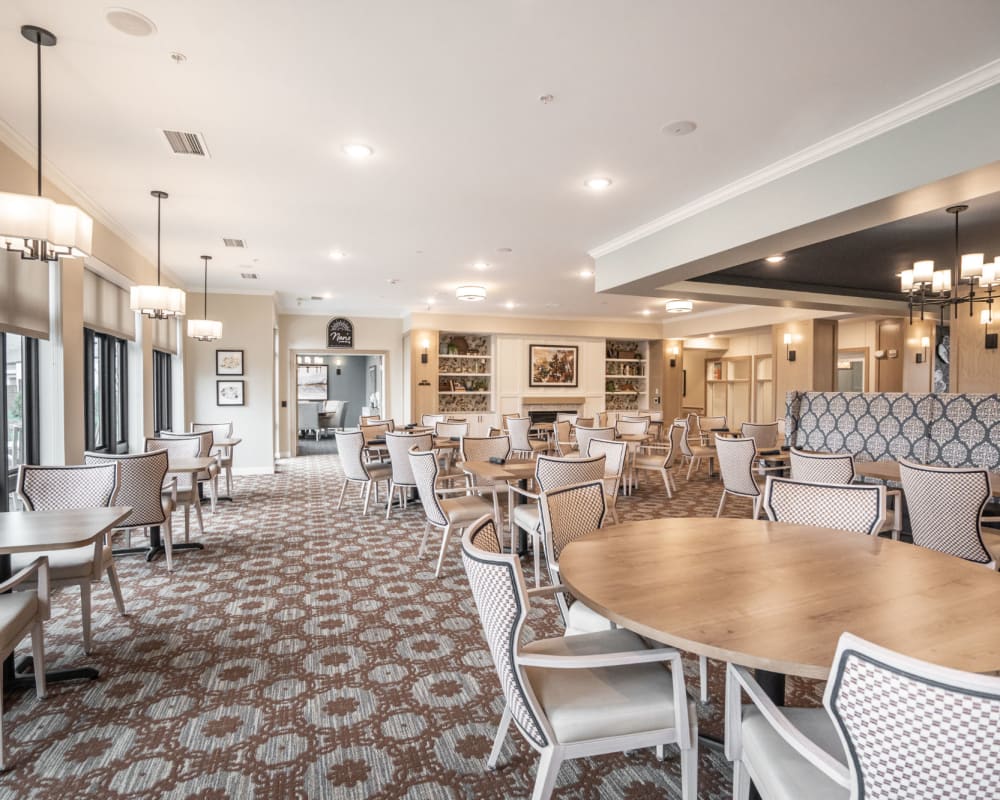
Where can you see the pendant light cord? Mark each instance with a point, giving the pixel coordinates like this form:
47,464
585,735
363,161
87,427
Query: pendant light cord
205,292
38,47
159,200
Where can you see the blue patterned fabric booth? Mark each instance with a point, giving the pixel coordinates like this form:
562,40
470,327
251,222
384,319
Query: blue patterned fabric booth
954,430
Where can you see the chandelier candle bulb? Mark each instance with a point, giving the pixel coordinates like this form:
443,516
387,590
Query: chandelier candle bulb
972,265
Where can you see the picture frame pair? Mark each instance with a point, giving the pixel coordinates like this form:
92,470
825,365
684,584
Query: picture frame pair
229,392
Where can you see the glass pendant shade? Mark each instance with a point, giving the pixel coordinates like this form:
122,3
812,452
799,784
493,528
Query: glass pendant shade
158,302
204,330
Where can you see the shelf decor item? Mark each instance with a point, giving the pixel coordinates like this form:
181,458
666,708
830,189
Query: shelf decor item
552,365
229,393
228,362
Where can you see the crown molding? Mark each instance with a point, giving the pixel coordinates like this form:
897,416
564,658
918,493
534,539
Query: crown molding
944,95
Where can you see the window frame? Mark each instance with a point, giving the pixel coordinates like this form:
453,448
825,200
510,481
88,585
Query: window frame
163,391
29,413
113,399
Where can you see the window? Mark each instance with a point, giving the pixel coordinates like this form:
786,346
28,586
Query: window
105,392
162,392
19,404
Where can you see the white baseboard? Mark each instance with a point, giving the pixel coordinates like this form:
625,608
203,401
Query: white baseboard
284,454
253,470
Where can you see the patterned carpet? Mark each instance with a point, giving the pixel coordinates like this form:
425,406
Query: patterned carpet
307,653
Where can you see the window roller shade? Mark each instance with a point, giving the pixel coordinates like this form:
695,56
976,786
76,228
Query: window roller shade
24,296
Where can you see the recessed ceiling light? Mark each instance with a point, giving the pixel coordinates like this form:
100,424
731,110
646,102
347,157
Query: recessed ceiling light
472,294
680,128
775,259
357,150
129,22
509,304
586,273
338,255
597,184
646,312
327,295
482,266
679,306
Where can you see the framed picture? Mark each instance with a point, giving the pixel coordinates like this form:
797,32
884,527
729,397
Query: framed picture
552,365
229,393
228,362
312,380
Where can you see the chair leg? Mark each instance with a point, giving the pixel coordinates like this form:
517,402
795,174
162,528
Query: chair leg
741,781
666,482
548,770
703,678
3,741
116,587
343,491
722,504
229,482
201,519
423,542
168,543
689,766
187,521
213,492
498,740
38,657
690,467
444,546
756,507
85,614
536,543
613,508
367,498
388,505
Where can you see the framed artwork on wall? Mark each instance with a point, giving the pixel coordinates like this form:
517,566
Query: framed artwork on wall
229,393
552,365
312,381
228,362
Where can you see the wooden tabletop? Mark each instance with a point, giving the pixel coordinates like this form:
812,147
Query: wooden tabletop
511,471
777,597
28,531
889,471
191,465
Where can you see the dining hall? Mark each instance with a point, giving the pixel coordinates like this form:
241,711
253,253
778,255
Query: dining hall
444,401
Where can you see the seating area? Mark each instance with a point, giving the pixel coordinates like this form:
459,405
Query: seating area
474,406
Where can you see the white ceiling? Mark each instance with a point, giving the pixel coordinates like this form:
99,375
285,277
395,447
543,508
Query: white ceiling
467,159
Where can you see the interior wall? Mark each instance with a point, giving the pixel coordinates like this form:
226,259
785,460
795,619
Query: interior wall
973,367
815,343
248,325
511,369
349,385
919,377
889,371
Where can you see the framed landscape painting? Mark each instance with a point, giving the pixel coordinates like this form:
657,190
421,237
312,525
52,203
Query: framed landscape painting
229,393
312,381
552,365
228,362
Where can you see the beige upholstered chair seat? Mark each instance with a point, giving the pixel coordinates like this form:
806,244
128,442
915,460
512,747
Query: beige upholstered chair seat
702,451
648,460
380,468
598,703
581,619
64,565
782,773
526,516
17,610
463,510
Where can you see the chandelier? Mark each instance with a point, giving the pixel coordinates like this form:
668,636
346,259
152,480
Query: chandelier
158,302
205,330
926,287
32,225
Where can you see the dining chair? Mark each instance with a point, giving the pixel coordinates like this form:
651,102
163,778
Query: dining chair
562,442
569,513
451,430
583,422
576,696
367,419
430,420
401,476
351,446
521,445
858,507
503,421
375,451
141,486
566,416
694,454
736,463
891,727
483,448
946,508
443,512
584,435
764,434
615,458
22,613
839,468
551,472
221,431
657,457
182,488
62,488
210,475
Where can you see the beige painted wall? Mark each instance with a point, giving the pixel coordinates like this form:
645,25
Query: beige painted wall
814,369
247,324
973,367
304,332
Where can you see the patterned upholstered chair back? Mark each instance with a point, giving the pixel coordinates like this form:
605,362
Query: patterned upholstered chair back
399,445
765,434
566,416
570,513
367,419
945,506
911,729
449,429
221,430
502,601
207,443
375,430
552,472
425,472
859,508
177,448
430,420
674,439
584,435
562,428
736,457
822,467
350,446
636,418
687,435
518,428
483,448
632,426
705,425
60,488
503,421
483,535
614,455
583,422
140,485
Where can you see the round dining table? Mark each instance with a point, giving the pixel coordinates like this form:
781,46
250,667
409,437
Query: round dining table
776,597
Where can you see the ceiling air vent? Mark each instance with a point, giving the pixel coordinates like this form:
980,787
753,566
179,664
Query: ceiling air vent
186,144
314,297
234,242
250,276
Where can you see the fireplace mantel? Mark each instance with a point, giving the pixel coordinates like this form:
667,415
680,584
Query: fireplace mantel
552,400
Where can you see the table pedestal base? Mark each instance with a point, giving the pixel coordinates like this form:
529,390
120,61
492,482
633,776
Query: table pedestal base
155,546
14,677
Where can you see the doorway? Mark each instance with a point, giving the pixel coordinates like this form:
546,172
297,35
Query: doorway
332,392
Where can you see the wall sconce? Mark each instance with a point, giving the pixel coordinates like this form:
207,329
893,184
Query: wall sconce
925,343
789,353
423,356
338,364
986,317
674,352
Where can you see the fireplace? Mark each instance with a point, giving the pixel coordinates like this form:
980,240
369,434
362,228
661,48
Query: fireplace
548,416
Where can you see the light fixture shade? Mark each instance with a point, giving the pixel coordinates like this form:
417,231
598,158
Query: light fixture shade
204,330
988,277
941,281
787,339
471,294
679,306
925,341
906,280
923,271
972,265
986,316
158,302
27,221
